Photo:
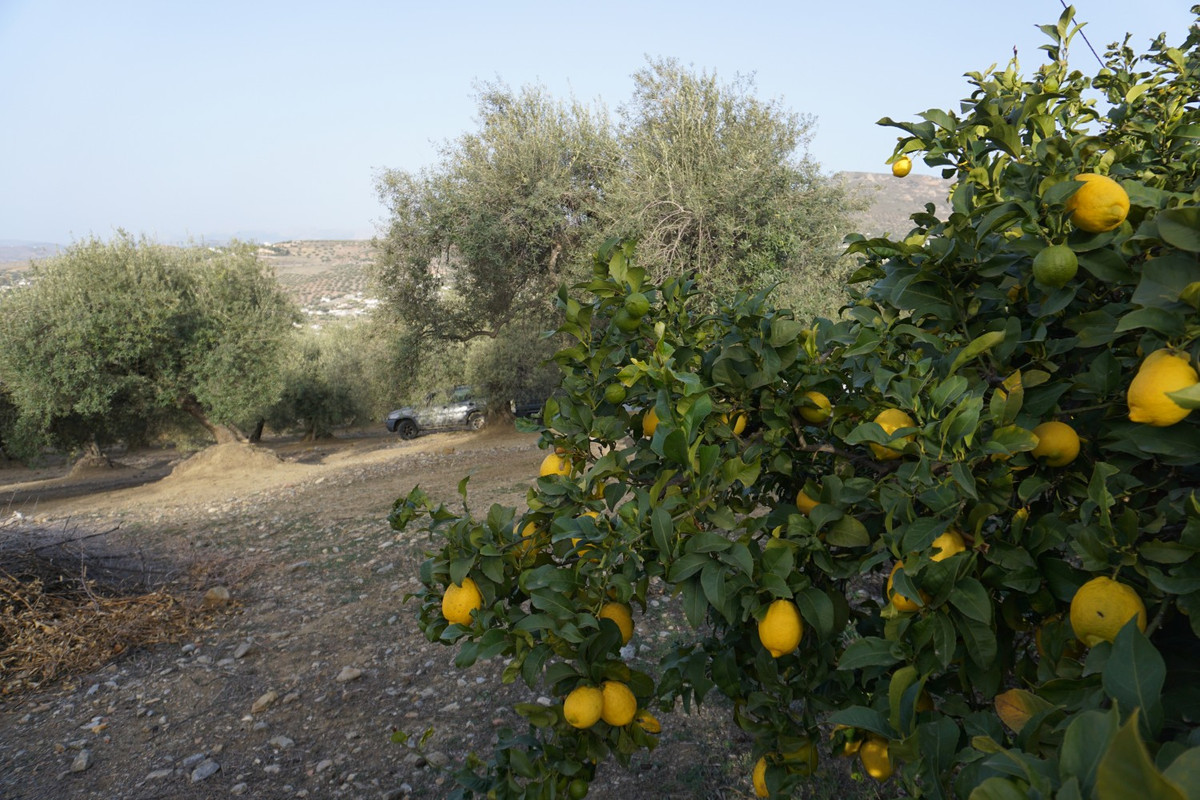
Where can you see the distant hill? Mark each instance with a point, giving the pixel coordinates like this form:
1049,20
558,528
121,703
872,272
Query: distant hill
324,275
894,200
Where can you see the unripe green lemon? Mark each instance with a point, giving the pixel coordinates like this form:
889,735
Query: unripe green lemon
614,393
1055,265
637,305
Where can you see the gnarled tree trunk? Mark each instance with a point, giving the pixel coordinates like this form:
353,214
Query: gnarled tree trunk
223,433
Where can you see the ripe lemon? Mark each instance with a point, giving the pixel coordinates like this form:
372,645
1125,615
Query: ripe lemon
803,760
891,420
460,600
902,603
737,425
948,544
759,776
820,409
1055,265
850,742
781,628
528,538
1099,205
902,166
618,705
1101,607
1160,372
622,615
1058,444
650,423
647,722
582,707
875,758
555,464
805,503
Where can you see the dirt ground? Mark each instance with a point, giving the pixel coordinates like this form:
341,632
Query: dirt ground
293,688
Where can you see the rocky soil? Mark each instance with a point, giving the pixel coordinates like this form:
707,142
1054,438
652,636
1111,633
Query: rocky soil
295,680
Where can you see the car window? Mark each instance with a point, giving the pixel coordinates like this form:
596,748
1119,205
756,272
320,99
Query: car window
460,394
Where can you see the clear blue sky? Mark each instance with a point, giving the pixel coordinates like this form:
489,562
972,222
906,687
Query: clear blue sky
209,119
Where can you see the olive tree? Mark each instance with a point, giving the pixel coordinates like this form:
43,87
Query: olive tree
111,337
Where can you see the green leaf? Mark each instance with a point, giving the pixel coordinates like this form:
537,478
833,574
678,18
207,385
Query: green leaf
978,345
1164,280
867,719
1168,323
970,598
1134,675
848,532
784,331
997,788
1180,227
1184,771
817,610
1084,744
980,641
1187,398
1126,770
869,651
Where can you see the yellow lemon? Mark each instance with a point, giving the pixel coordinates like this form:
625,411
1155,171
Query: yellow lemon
1161,372
803,760
781,628
1058,444
850,741
1099,205
759,777
622,615
891,420
738,425
875,758
902,603
820,409
618,704
902,166
647,722
1055,265
650,423
948,544
583,706
1101,607
555,464
460,600
805,503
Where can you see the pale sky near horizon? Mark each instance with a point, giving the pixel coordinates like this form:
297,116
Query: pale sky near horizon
271,120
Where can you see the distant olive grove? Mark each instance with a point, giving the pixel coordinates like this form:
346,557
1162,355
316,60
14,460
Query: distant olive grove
131,341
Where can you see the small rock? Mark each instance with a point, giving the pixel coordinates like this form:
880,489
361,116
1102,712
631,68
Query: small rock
193,760
243,650
239,788
205,770
324,765
187,648
215,597
299,565
348,674
264,702
82,761
437,759
281,742
449,708
272,769
159,774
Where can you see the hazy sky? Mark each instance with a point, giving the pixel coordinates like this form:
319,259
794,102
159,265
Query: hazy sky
271,119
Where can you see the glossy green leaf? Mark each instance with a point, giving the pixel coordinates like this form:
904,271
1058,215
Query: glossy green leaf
1126,770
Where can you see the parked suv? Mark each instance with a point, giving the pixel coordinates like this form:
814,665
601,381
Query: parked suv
459,408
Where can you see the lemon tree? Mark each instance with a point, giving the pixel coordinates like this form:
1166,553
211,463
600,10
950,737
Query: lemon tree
1027,547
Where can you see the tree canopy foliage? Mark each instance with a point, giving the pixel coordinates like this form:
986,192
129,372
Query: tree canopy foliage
110,338
988,560
708,177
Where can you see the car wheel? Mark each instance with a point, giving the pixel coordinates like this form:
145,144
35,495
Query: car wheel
476,421
407,429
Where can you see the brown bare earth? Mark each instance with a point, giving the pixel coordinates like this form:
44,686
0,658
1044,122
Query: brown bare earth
316,632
